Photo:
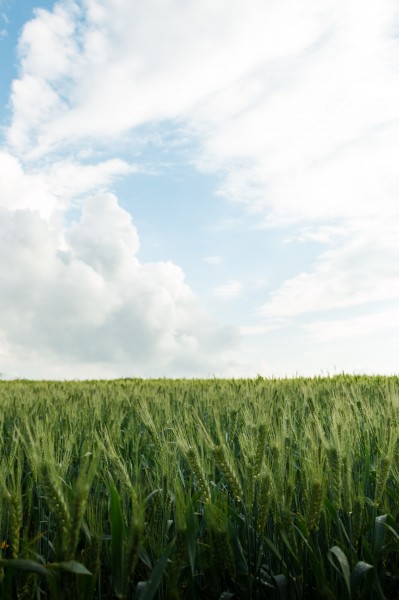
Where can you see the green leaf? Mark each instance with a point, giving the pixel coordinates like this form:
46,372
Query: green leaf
379,536
22,564
273,548
282,586
239,555
191,537
332,511
290,548
390,525
36,538
344,570
150,587
71,566
358,574
116,539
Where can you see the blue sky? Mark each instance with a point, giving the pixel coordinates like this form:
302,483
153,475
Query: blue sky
198,190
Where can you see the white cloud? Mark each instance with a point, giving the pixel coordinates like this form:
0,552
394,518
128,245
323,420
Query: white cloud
229,290
68,179
314,139
95,303
360,271
105,238
50,43
295,104
318,135
51,187
20,190
4,22
215,261
256,330
118,64
324,234
355,327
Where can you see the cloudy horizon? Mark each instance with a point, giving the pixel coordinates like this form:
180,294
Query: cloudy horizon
198,189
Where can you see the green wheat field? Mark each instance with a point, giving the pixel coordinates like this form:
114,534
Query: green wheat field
200,489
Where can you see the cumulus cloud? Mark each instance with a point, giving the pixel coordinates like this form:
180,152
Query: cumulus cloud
95,303
51,187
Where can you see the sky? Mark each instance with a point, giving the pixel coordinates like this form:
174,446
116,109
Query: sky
198,189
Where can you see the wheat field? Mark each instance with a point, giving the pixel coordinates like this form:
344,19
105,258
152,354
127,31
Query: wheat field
241,489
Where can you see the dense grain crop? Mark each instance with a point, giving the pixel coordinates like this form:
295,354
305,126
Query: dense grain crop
200,489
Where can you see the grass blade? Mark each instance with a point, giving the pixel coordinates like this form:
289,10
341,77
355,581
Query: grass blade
344,569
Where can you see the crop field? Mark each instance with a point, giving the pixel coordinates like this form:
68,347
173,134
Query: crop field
200,489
